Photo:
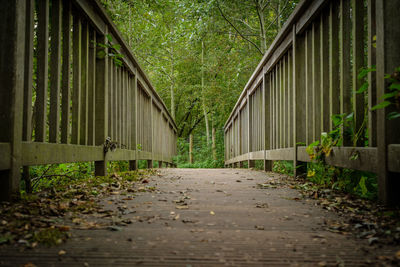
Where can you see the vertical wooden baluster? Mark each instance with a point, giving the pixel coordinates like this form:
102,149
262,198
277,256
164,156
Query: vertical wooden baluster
42,70
123,97
92,89
289,101
27,106
134,99
55,67
300,168
372,75
12,38
333,62
267,118
284,102
316,84
66,72
249,128
272,107
101,104
114,93
76,93
111,100
345,73
308,89
84,83
280,101
358,63
27,96
387,59
325,75
128,110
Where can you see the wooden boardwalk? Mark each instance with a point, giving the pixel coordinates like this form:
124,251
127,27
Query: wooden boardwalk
199,217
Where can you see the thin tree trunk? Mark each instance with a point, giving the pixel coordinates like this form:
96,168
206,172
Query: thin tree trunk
203,93
214,147
263,37
172,83
191,148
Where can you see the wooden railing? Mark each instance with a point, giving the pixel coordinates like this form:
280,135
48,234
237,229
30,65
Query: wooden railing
309,74
68,82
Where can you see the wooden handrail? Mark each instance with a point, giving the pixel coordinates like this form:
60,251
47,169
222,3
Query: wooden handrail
304,79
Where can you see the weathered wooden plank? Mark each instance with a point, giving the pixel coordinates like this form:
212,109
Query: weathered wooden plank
312,11
316,84
5,155
372,142
55,68
308,88
84,84
290,99
366,158
280,154
325,76
345,72
91,14
92,87
12,40
387,59
358,63
281,90
285,102
76,69
394,158
66,72
29,27
334,93
42,70
298,99
101,104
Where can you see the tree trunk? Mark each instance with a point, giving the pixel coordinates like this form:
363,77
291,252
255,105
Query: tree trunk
172,83
263,37
191,148
214,147
203,93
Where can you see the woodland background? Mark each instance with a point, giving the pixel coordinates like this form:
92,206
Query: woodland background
199,55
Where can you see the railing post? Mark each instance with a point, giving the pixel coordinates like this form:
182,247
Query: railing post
12,39
101,108
265,119
249,128
133,163
300,168
388,58
150,161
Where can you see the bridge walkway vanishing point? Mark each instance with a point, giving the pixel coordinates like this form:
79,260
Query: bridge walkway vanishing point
228,221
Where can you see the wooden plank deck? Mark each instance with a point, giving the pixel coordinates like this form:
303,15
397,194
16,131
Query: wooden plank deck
228,221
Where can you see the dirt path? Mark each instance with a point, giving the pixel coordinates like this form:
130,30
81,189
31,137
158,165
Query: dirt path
198,217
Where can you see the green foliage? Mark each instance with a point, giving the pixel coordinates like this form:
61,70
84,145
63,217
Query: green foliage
362,184
284,167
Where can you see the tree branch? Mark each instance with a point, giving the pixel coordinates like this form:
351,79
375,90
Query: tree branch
233,26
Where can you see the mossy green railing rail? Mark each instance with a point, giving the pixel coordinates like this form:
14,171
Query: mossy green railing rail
309,74
64,92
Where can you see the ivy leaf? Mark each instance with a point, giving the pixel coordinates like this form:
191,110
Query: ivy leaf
395,86
389,95
101,54
109,38
363,88
116,47
393,115
384,104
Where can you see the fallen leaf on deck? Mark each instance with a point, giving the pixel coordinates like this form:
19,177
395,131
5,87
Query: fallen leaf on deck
184,207
62,252
212,213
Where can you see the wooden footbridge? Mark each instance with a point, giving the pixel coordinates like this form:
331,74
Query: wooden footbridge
67,96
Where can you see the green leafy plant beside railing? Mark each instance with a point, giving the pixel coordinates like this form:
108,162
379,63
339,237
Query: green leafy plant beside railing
357,182
112,51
